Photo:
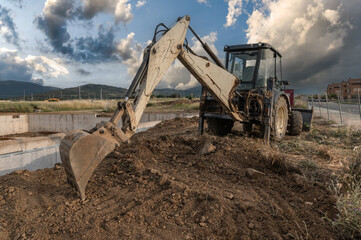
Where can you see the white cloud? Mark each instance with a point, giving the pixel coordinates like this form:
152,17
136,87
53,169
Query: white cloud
234,10
141,3
123,12
130,52
202,1
47,67
30,68
310,34
121,9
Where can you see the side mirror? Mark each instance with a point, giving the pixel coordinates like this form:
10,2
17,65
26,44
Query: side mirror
286,83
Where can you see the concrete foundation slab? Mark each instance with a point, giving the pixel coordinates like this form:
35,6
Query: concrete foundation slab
31,160
43,152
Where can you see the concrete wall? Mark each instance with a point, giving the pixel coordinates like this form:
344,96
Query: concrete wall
11,124
62,122
71,122
32,160
43,152
66,122
21,144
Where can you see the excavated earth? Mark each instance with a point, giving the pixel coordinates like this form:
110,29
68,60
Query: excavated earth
172,183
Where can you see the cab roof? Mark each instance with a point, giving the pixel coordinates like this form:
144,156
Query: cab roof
252,46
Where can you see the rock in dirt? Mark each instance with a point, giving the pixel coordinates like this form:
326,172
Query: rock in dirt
252,173
57,167
229,196
207,148
163,180
203,224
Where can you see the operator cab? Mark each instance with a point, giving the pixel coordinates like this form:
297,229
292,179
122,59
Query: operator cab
253,64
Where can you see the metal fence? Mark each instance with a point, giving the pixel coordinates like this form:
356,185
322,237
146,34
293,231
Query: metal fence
342,111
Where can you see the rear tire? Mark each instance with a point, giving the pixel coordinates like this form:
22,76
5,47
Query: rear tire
296,123
219,127
280,119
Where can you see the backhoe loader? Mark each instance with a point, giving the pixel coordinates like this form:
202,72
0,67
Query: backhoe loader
247,90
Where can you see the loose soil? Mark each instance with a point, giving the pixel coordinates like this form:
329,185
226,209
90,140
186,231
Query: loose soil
172,183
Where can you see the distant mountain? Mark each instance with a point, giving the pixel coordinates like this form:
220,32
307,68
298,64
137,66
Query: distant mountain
15,90
195,92
12,89
88,91
92,91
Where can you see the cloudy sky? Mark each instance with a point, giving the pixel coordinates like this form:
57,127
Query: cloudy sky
67,43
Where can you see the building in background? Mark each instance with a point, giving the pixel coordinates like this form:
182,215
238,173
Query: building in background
348,88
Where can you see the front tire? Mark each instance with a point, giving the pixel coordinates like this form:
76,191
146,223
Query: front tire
280,119
296,123
219,127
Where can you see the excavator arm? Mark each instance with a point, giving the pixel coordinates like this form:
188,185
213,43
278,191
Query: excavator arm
82,151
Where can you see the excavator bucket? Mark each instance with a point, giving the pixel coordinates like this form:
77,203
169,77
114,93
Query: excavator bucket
80,153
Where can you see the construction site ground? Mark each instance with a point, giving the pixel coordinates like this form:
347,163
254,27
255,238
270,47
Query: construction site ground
172,183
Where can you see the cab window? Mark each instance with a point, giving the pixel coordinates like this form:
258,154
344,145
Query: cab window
266,68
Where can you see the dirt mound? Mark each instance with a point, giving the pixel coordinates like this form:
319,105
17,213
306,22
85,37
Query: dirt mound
171,183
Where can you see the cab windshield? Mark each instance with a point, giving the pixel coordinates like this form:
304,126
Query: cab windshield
242,65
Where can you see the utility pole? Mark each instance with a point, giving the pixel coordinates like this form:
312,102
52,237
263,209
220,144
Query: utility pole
101,93
339,105
24,95
79,93
319,103
328,110
61,95
32,97
359,101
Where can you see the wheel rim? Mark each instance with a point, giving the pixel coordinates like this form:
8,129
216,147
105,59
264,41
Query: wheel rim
280,122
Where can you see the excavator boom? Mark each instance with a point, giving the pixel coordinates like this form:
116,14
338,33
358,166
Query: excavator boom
82,151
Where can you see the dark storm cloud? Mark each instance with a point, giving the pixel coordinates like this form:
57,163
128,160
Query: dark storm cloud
11,70
83,72
99,49
53,23
319,40
102,48
8,27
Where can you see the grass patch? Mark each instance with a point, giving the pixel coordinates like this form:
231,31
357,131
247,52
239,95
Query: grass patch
17,107
347,189
181,104
348,220
343,136
316,136
300,103
75,105
293,147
